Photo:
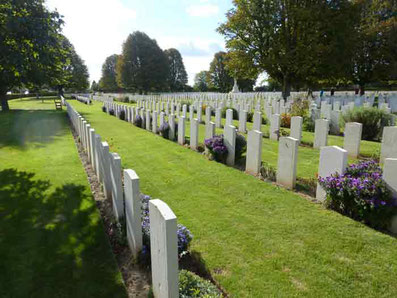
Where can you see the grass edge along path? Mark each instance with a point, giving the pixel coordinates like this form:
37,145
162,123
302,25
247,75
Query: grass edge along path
53,242
256,239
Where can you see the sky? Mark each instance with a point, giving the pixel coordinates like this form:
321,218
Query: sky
98,28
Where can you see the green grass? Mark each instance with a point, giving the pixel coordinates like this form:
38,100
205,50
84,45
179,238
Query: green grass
52,238
256,239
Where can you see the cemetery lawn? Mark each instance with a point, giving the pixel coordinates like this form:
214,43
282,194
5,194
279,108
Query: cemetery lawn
256,239
52,238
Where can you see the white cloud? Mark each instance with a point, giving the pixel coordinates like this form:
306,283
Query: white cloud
202,10
97,28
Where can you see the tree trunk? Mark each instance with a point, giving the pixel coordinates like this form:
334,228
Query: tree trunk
4,102
362,90
286,87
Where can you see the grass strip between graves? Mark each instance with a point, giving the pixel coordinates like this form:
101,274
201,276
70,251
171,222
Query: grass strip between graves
256,239
52,239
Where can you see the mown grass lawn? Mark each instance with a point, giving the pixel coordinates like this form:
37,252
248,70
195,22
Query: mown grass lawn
256,239
52,239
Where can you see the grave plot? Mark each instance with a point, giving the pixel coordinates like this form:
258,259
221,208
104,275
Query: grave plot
256,239
53,242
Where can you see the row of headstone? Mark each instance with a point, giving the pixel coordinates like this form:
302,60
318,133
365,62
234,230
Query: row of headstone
83,99
126,203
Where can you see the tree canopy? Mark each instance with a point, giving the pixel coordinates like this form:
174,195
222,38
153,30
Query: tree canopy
201,81
143,65
177,76
295,42
30,45
108,81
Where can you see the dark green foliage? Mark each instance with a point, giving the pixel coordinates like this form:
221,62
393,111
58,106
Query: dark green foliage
201,81
241,146
177,76
104,109
122,115
268,172
372,119
308,124
192,285
143,66
108,80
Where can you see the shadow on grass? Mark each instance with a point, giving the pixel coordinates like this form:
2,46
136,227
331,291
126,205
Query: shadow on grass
52,242
20,127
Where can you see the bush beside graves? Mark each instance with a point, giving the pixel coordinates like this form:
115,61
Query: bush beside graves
372,119
361,194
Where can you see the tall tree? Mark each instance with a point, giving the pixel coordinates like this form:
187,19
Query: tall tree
219,78
94,86
143,65
375,51
177,76
201,81
30,45
108,81
293,41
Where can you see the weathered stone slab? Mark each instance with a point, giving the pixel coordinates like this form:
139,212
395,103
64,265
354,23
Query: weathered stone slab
133,211
353,132
209,130
242,126
287,161
230,143
389,143
117,188
181,130
332,160
154,122
296,128
275,127
229,117
321,133
254,152
194,125
163,250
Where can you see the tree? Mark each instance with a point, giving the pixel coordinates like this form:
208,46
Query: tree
108,81
177,76
143,65
375,52
94,86
30,45
295,42
201,81
218,76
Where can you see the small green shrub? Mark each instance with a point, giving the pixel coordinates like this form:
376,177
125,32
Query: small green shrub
372,119
268,172
122,115
308,124
164,130
111,112
250,116
300,107
192,285
104,109
285,120
241,146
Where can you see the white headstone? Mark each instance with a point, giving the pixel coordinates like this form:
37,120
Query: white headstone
353,132
296,128
181,130
171,122
390,175
275,127
321,133
133,206
218,117
229,117
163,250
254,152
287,161
257,125
154,122
194,125
147,120
389,143
332,160
107,183
209,130
230,143
117,188
242,126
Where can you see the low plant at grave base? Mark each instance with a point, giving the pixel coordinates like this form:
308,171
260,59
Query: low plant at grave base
164,130
111,112
250,117
372,119
184,235
268,172
285,120
122,115
283,133
138,121
308,124
192,285
361,194
104,109
241,146
217,148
